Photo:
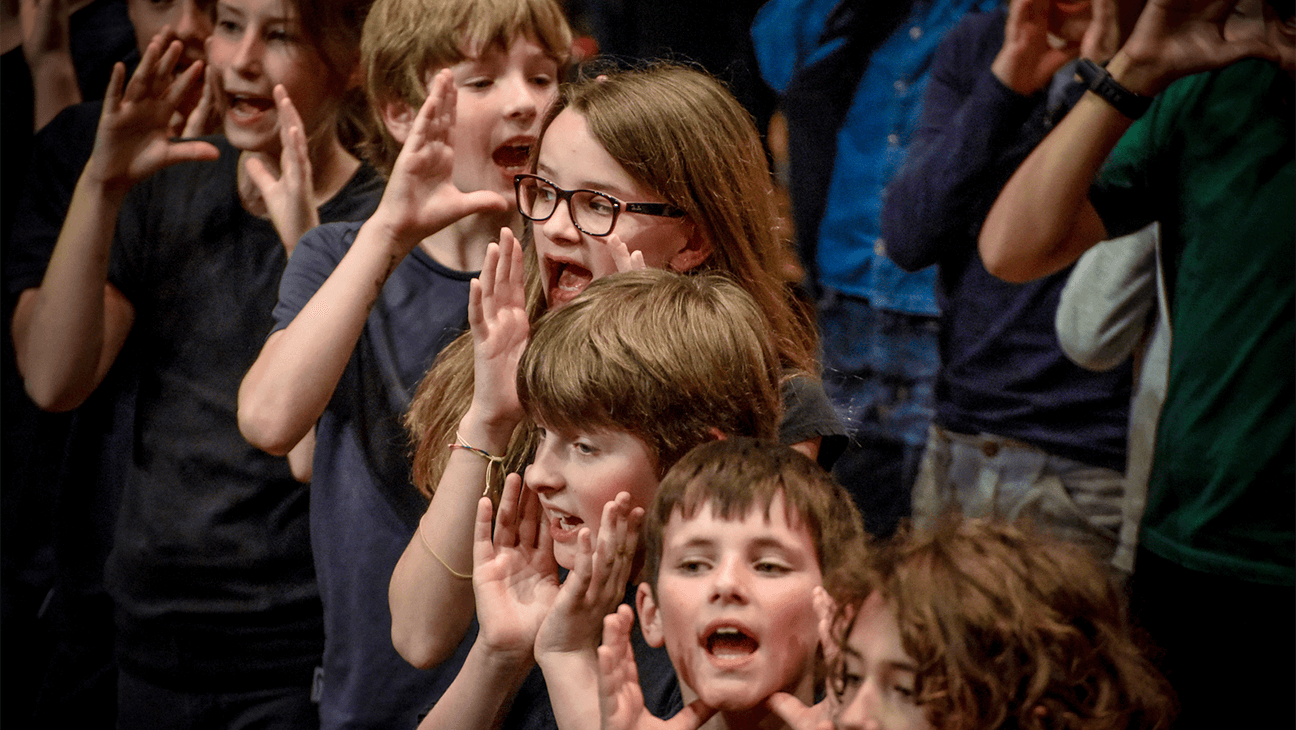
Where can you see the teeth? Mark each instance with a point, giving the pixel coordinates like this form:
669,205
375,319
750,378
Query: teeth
728,631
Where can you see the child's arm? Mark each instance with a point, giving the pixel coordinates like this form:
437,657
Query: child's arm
566,645
515,581
287,388
1043,220
77,322
431,600
621,702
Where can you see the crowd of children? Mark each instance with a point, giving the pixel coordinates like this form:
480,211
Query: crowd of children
448,386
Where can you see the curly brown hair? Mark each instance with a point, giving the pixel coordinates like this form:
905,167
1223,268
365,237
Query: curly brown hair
1009,628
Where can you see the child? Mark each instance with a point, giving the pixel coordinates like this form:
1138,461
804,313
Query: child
641,367
738,538
364,309
658,141
979,625
217,603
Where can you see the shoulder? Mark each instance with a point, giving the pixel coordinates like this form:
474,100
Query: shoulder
358,199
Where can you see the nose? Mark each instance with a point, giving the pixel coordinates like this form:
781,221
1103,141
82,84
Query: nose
193,25
544,474
522,103
860,712
559,228
247,57
729,581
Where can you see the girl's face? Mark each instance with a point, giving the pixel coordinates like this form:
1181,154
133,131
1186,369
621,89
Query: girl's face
189,22
878,676
256,45
572,159
577,473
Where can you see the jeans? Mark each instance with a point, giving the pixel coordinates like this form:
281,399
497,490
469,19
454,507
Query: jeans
879,370
987,475
146,706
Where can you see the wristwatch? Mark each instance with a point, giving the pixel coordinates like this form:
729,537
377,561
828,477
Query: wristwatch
1100,82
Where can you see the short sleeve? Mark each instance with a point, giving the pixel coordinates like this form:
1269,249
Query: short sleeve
807,415
312,262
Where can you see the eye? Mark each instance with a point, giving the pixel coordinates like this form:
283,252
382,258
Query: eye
543,81
600,205
227,26
584,448
480,83
847,684
691,566
545,193
772,567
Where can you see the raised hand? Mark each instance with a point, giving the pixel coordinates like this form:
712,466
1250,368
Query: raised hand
1028,59
289,197
202,120
133,140
621,256
500,329
621,702
1176,38
421,197
515,578
596,583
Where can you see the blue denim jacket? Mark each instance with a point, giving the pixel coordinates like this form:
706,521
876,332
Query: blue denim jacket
850,253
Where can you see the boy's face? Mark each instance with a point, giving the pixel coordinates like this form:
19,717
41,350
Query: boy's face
577,473
572,159
502,93
256,45
878,675
189,20
734,606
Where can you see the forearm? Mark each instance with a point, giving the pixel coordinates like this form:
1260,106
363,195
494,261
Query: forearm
572,680
480,694
431,606
75,324
1042,221
293,379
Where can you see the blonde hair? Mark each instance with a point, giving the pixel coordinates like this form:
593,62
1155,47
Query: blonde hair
680,133
406,41
667,357
1011,628
737,475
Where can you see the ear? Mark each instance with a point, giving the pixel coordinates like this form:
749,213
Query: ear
696,250
649,617
399,119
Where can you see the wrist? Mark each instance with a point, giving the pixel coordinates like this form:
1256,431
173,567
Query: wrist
1143,77
1100,82
486,432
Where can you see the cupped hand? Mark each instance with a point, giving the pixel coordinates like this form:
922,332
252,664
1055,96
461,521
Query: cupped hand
596,584
289,195
515,578
621,701
500,330
421,197
133,140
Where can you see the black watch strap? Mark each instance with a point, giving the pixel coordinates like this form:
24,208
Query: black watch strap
1100,82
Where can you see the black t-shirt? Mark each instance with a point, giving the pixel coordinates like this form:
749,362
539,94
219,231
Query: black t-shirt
211,569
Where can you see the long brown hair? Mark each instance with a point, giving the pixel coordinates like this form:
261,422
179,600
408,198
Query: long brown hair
681,134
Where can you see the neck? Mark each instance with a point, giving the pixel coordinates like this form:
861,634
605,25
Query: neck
462,245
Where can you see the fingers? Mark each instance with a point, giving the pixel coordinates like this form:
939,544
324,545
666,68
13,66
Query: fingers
516,270
506,528
483,549
622,258
260,175
431,122
197,124
529,527
691,717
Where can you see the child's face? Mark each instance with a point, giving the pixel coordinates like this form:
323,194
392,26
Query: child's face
879,675
572,159
502,94
257,44
189,21
577,473
734,606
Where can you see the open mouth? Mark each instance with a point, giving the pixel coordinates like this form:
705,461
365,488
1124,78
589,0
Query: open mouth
248,108
566,281
512,157
563,527
730,642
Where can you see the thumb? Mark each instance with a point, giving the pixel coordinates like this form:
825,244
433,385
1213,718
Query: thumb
260,175
483,201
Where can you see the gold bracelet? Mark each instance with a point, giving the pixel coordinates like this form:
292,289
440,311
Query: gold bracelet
428,546
493,461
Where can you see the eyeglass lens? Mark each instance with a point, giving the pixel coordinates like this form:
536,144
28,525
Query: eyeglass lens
591,212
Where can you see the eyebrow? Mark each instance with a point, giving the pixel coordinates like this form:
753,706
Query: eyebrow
606,188
902,666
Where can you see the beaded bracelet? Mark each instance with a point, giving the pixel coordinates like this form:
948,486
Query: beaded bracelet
490,468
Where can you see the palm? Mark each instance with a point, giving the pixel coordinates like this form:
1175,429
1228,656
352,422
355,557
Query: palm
133,139
500,329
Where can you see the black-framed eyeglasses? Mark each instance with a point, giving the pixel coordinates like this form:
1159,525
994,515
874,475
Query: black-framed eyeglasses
592,212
